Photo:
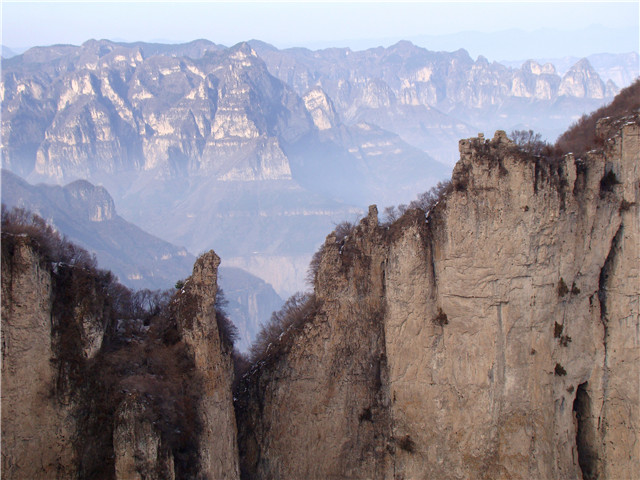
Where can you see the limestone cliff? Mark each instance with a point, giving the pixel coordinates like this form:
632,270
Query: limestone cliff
495,338
196,316
36,428
95,387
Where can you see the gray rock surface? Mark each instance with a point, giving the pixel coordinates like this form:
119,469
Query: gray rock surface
502,332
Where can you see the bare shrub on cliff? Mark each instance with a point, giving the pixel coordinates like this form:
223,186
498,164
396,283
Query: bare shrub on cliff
51,245
427,200
582,137
393,213
277,334
314,265
530,142
341,232
226,329
149,303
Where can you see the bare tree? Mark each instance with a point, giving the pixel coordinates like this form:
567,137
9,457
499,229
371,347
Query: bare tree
529,141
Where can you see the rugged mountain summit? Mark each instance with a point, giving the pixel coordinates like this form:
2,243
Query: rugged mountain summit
497,338
189,129
431,98
176,132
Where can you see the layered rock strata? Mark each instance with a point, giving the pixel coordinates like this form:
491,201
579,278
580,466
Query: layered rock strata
495,338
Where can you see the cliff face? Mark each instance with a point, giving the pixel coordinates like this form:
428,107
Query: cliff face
90,390
30,416
498,339
196,315
316,411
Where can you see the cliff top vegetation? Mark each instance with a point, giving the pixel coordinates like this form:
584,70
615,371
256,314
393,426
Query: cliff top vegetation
582,135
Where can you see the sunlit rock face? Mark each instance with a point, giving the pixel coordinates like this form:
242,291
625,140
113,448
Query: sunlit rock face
321,109
495,338
582,81
108,108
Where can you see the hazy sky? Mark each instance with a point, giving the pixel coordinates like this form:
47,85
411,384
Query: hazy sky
311,24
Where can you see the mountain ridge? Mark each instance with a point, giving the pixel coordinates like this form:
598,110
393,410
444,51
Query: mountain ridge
174,131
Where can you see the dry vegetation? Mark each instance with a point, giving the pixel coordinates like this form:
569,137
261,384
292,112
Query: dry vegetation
277,335
530,142
142,354
581,136
425,202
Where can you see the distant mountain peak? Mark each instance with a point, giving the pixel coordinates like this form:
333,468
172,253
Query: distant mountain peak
532,66
94,200
242,50
582,81
320,108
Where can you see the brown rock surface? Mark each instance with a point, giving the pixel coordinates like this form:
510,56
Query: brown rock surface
37,429
82,398
498,339
138,445
218,451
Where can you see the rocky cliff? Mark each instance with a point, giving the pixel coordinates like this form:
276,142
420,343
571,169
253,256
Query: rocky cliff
495,337
36,429
92,387
211,351
489,332
431,99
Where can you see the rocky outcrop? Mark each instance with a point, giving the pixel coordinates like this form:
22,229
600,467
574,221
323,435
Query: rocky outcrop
196,316
90,389
496,339
582,81
37,429
317,411
431,99
321,109
137,445
55,316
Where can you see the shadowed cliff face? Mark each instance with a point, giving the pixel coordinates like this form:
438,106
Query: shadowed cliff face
92,388
495,338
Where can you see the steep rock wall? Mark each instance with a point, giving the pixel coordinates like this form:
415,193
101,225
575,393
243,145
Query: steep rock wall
36,428
508,323
321,399
53,325
196,315
89,394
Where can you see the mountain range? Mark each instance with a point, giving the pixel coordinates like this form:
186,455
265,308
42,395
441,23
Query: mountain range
258,152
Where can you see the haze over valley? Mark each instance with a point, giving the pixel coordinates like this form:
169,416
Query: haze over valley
259,152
